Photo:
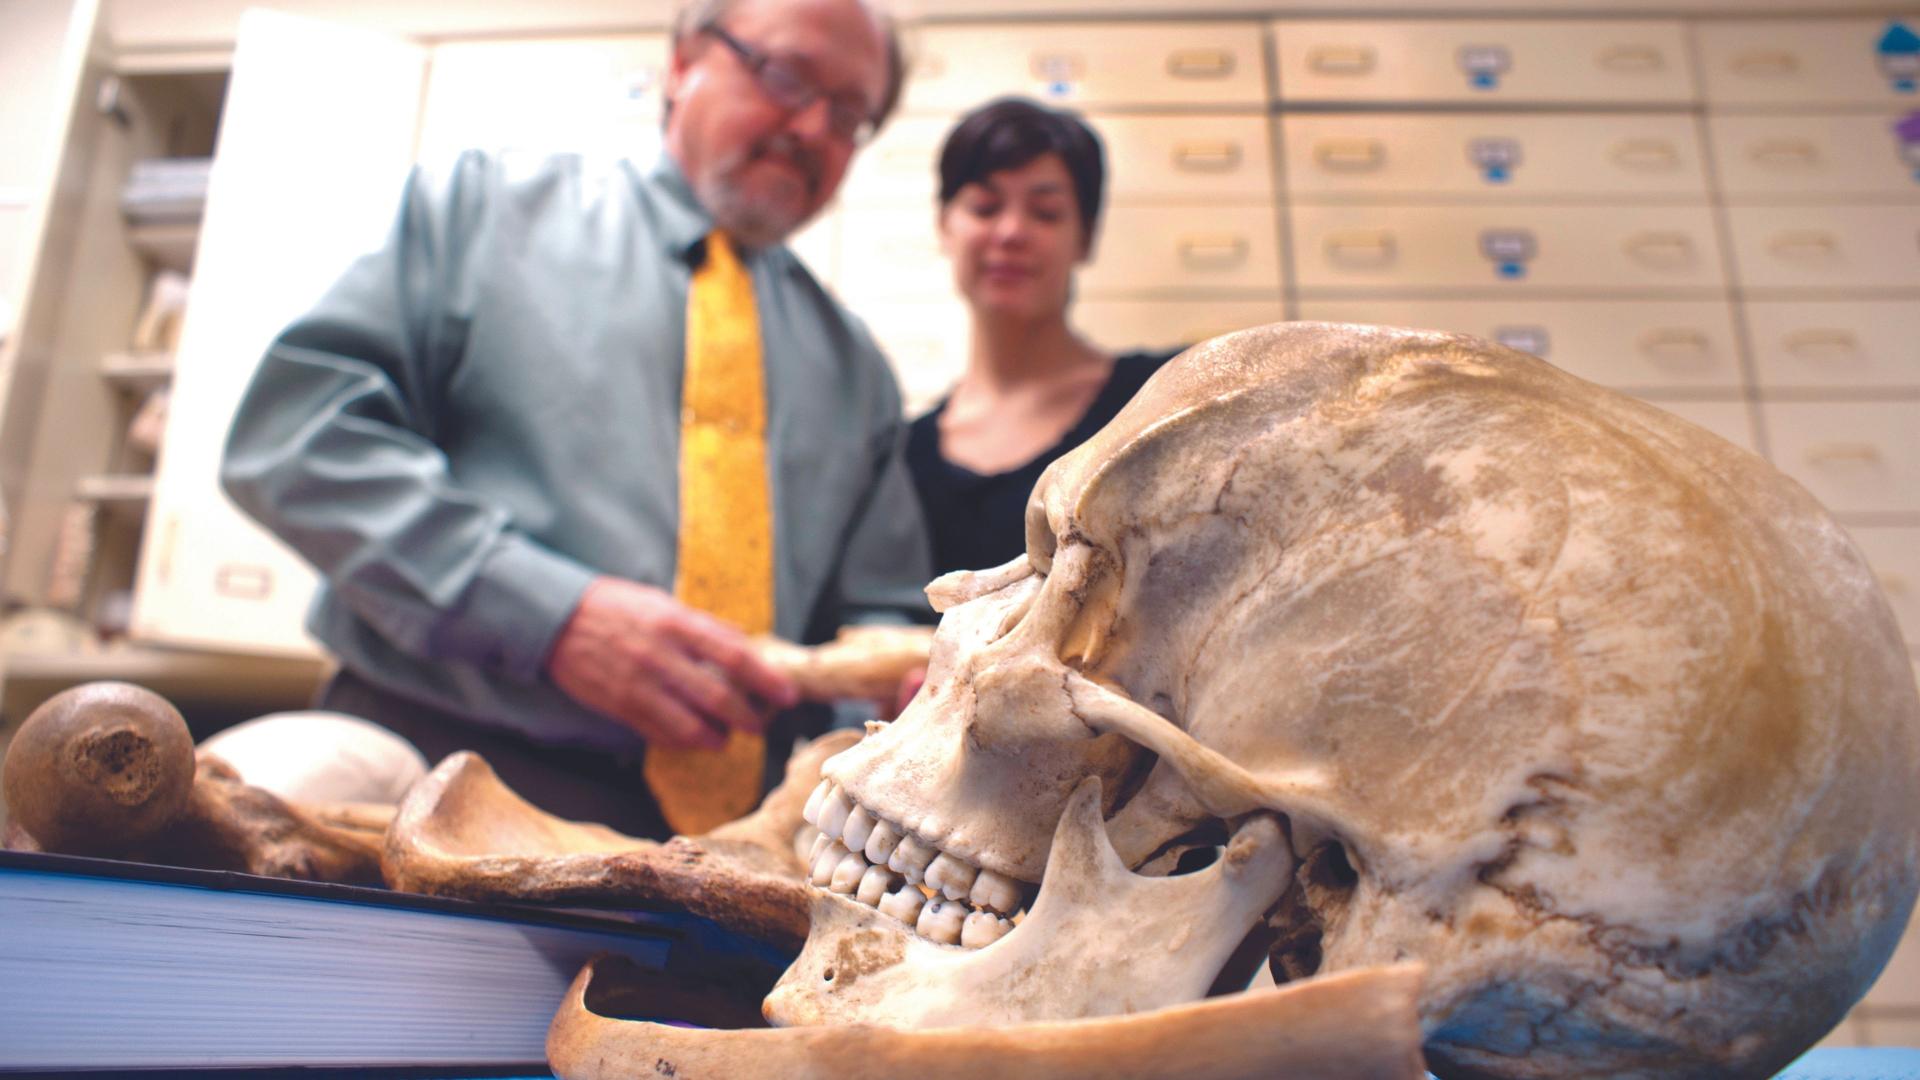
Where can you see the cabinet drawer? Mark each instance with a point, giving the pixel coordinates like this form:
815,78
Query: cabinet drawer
1828,155
1575,61
1894,554
1203,158
1491,156
891,251
1481,249
1855,458
1172,63
1730,420
1836,344
1186,249
1123,325
1806,63
1826,247
598,95
1642,346
818,245
926,341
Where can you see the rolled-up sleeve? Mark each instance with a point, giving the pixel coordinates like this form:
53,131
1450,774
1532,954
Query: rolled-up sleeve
333,449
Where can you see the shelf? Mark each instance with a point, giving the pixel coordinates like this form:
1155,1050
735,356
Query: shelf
185,677
139,373
118,492
168,247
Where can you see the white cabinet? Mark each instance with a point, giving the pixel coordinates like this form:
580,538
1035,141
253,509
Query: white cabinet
1090,64
1808,63
1656,348
1477,62
1863,347
1860,248
1855,457
1491,157
1834,156
1452,251
294,172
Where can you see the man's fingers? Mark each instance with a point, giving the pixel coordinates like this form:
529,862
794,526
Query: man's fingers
711,696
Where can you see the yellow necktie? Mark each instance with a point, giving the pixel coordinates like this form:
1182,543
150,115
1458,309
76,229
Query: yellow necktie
726,524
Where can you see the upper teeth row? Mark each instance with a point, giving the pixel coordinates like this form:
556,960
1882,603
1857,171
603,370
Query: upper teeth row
860,854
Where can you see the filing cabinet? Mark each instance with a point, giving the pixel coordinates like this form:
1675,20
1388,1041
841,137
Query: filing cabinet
1857,458
926,339
1731,420
1201,159
1124,325
1860,347
1827,247
1195,65
1832,156
1491,157
1653,348
1453,251
1480,62
1784,64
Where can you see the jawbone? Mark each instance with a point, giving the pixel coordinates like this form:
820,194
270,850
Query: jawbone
1099,940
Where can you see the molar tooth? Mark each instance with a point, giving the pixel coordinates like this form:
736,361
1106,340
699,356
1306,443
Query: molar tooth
825,862
983,928
834,811
911,857
995,890
846,876
812,812
875,883
903,904
940,921
881,842
951,876
859,827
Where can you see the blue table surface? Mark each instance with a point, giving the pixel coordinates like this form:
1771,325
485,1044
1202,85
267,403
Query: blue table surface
1836,1064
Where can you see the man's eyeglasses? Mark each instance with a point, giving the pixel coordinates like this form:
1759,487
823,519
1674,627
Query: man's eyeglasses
793,90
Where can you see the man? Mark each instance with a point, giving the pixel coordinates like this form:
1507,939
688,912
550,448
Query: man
533,441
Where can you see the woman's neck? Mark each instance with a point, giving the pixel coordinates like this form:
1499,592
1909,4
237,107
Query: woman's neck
1008,356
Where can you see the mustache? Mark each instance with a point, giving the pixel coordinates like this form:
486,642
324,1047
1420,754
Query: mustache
797,154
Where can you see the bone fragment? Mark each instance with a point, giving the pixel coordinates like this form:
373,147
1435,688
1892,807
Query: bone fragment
863,663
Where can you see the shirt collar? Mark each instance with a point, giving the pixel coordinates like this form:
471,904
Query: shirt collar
684,222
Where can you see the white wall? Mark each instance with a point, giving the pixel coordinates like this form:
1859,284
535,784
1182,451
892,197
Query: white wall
31,36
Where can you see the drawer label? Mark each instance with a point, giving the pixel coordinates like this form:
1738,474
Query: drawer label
1484,64
1907,131
1899,51
1494,157
1510,250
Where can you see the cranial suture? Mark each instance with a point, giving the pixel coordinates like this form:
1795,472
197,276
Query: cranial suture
1371,645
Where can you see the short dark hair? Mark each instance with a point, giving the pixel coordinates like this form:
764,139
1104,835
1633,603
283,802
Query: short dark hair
1009,132
696,17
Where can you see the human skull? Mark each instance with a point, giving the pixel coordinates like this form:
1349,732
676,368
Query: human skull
1598,716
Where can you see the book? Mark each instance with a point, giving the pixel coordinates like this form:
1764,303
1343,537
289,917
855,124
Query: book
109,966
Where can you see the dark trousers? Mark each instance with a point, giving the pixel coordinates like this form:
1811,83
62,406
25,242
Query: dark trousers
576,784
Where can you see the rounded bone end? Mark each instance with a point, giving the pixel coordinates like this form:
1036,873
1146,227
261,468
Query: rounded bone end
98,768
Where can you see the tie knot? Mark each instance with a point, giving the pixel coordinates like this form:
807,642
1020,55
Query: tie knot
721,254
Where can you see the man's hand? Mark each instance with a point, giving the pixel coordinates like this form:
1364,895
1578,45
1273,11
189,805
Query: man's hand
677,676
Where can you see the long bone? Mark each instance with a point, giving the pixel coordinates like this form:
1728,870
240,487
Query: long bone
1053,966
1357,1025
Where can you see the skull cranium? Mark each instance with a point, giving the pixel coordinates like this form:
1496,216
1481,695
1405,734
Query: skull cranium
1442,655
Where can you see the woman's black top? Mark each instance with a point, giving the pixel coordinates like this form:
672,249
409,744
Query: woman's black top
980,521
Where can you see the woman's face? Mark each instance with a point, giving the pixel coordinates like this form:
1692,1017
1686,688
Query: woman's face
1014,239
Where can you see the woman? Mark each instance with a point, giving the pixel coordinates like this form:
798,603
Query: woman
1020,190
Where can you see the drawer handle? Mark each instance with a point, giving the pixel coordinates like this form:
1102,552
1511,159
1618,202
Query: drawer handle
1208,157
1784,154
1213,252
1766,64
1200,64
1350,155
243,581
1860,453
1057,67
1632,58
1676,346
1822,344
1341,59
1661,250
1360,248
1646,155
1803,246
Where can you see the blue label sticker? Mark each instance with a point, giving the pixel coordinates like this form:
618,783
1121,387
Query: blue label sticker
1484,64
1509,250
1494,157
1899,56
1526,339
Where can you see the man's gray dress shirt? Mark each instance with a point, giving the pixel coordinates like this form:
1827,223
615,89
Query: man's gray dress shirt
485,414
